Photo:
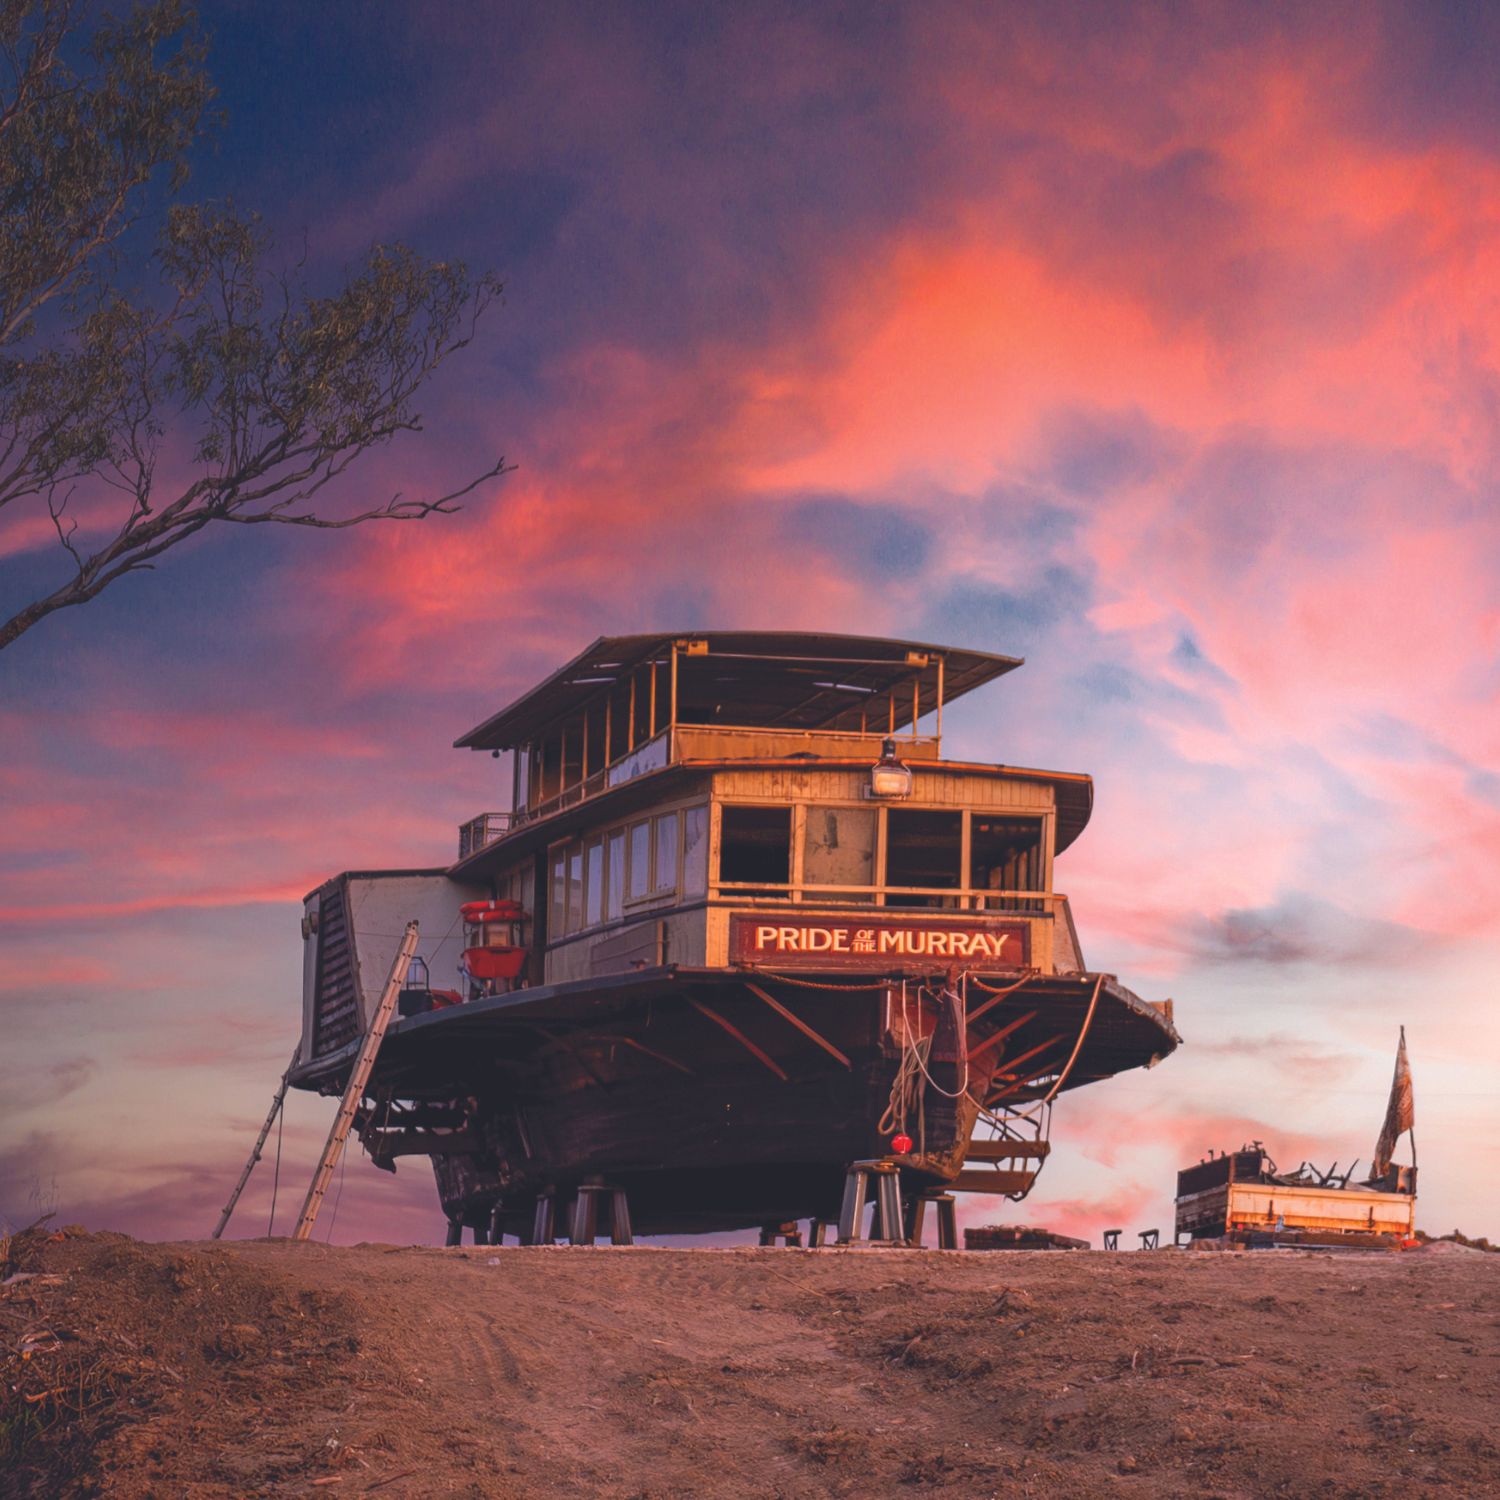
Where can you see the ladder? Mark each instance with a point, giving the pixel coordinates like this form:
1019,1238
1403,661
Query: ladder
356,1088
260,1143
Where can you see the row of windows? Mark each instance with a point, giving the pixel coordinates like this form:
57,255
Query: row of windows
595,880
840,847
655,859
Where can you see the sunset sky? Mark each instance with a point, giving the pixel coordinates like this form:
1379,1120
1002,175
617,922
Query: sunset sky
1161,348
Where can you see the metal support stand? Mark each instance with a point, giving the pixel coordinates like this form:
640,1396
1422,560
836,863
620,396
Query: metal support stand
544,1225
947,1219
1111,1239
1150,1238
455,1233
887,1226
592,1192
817,1233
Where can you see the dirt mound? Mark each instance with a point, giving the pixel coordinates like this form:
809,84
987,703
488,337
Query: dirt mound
262,1368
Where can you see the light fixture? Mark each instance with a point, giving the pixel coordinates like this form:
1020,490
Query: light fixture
888,777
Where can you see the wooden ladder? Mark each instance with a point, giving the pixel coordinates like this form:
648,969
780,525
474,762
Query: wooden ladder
356,1087
260,1145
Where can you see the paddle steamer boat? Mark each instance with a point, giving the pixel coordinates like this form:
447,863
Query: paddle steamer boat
742,926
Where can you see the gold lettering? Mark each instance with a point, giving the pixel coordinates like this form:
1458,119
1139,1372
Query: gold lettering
841,940
939,942
817,940
791,940
891,941
765,937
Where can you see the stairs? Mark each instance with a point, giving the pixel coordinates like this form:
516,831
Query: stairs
987,1167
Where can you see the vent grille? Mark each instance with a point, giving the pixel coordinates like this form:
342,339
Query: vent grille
336,1002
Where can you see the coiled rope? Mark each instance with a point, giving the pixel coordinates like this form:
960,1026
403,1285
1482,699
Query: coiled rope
914,1077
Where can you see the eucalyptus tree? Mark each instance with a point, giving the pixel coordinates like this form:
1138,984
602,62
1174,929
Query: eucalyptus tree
157,374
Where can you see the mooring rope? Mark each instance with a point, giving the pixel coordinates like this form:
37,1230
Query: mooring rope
908,1091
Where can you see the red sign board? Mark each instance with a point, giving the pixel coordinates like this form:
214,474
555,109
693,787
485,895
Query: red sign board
779,941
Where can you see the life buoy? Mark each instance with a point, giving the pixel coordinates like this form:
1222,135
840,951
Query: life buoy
482,912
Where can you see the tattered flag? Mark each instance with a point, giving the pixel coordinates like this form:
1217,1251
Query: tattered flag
1398,1112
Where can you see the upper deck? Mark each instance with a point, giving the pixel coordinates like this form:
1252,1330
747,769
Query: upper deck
629,706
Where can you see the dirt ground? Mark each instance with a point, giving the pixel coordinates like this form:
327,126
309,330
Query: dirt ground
263,1368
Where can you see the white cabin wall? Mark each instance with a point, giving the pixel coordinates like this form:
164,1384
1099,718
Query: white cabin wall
380,906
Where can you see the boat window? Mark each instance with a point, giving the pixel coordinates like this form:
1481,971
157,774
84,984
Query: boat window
557,921
575,887
640,861
694,851
665,873
838,848
755,845
593,883
923,849
1005,854
614,893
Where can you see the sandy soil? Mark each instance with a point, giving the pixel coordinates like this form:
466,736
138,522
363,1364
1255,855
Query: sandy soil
262,1368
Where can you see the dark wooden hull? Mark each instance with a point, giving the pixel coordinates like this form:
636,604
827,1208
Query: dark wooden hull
703,1101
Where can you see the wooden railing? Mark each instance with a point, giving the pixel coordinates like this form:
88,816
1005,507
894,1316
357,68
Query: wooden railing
940,898
719,742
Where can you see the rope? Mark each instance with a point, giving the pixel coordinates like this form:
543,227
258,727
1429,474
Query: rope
1008,989
1062,1077
908,1094
813,984
924,1052
338,1196
907,1088
913,1079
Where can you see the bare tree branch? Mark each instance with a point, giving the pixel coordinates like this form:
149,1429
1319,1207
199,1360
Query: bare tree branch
274,389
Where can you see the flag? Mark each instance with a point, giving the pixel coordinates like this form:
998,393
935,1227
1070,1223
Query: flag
1398,1112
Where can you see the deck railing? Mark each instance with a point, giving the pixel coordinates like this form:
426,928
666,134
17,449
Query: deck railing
894,897
485,829
697,742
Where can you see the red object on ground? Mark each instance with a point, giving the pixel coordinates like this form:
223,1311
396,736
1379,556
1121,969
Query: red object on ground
441,998
900,1144
494,963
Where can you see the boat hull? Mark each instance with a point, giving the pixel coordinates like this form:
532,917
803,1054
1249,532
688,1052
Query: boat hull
721,1102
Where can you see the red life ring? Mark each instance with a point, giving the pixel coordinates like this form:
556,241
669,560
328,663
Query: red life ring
481,912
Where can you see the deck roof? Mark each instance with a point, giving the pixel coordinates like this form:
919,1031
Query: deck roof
781,679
